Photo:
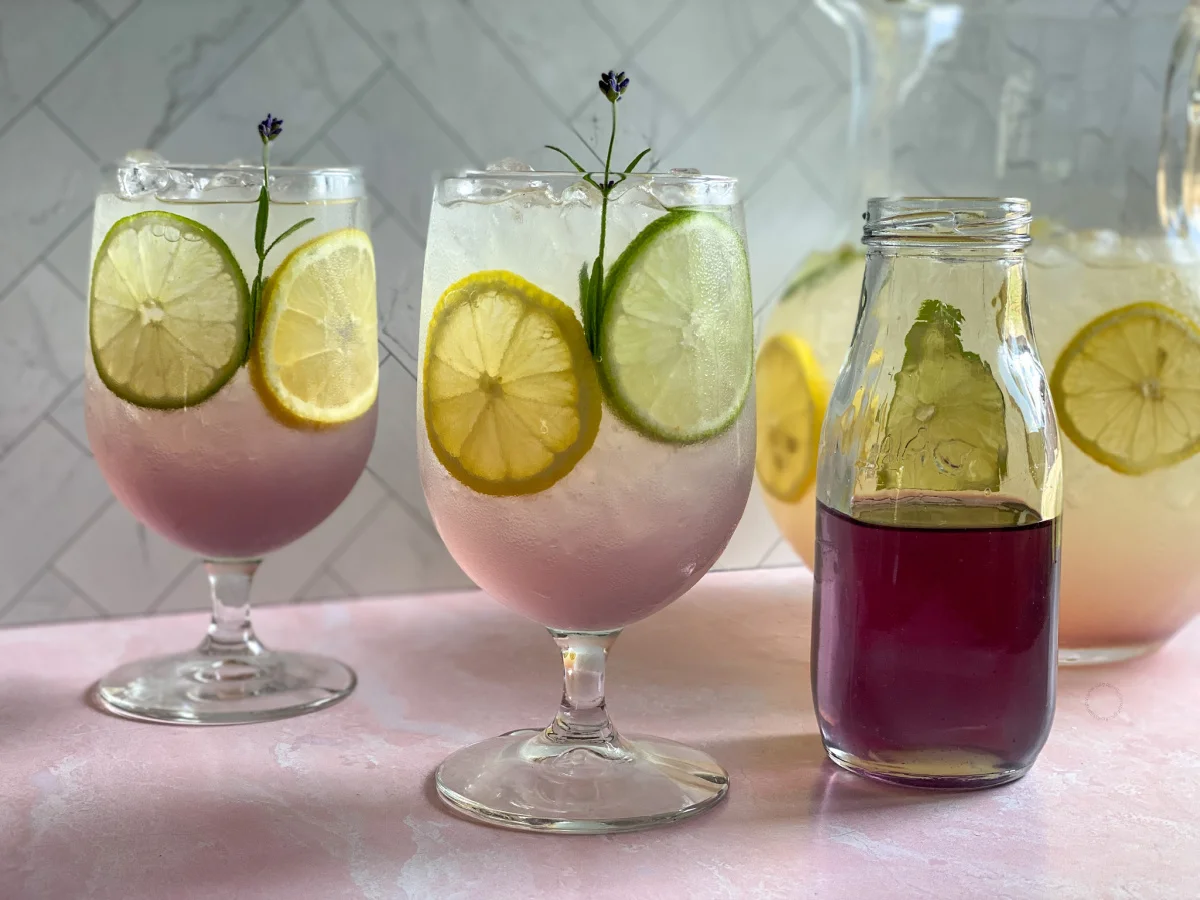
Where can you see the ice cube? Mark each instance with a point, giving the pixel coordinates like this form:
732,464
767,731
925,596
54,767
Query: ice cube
508,164
144,172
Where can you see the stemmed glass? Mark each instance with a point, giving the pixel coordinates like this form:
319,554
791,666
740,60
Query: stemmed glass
586,455
230,411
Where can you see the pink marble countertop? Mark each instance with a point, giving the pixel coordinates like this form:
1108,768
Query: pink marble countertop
339,805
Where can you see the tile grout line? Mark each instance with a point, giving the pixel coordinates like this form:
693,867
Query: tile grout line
790,146
344,544
77,590
629,51
428,526
24,433
53,245
69,133
424,103
230,69
775,544
58,554
184,574
736,77
70,67
49,419
54,270
355,533
506,51
373,79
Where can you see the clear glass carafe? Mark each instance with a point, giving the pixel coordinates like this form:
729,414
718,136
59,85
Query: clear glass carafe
938,508
1085,112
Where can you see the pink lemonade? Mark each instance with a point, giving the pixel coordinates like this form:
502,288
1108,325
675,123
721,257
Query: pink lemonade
225,478
627,532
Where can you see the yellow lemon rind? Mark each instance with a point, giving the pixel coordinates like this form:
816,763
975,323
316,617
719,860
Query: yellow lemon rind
290,411
799,354
588,406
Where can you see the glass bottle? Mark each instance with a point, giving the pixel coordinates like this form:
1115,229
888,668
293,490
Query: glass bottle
938,507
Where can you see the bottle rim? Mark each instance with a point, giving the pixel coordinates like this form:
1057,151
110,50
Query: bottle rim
985,222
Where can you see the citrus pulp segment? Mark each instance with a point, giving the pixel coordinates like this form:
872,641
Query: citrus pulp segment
169,310
1127,388
511,395
316,356
676,337
791,395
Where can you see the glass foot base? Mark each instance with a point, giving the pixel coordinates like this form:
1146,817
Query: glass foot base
526,781
932,770
198,688
1100,656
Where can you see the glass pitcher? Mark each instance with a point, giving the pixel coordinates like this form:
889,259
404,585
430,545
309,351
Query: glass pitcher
1087,116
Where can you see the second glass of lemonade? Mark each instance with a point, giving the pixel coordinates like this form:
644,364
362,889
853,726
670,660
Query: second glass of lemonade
585,458
230,415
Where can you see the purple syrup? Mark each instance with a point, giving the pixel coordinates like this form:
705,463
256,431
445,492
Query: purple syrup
934,638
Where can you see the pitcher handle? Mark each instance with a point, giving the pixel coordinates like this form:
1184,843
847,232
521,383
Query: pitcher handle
1179,148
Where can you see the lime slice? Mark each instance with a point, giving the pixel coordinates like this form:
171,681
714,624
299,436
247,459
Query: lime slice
791,395
677,340
1127,388
316,358
169,311
512,401
945,426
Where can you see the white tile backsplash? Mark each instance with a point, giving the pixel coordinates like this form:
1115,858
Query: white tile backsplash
304,72
138,83
50,183
125,565
49,599
37,42
42,329
48,491
757,90
377,563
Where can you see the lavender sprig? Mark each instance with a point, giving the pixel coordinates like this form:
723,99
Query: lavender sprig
268,130
591,286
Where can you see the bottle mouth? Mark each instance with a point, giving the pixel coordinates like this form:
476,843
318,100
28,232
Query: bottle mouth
1000,223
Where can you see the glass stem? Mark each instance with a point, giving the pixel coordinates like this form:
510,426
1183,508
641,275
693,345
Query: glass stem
230,632
582,715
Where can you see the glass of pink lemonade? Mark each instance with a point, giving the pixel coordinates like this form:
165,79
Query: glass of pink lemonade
586,453
230,400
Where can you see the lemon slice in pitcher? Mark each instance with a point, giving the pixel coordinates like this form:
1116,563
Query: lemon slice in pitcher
511,396
1127,388
791,395
169,311
316,358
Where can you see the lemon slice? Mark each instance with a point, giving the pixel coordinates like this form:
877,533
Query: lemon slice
677,340
945,428
512,399
1127,388
169,311
316,358
791,395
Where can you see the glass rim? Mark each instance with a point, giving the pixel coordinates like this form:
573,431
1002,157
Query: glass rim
238,166
507,175
232,182
1000,222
